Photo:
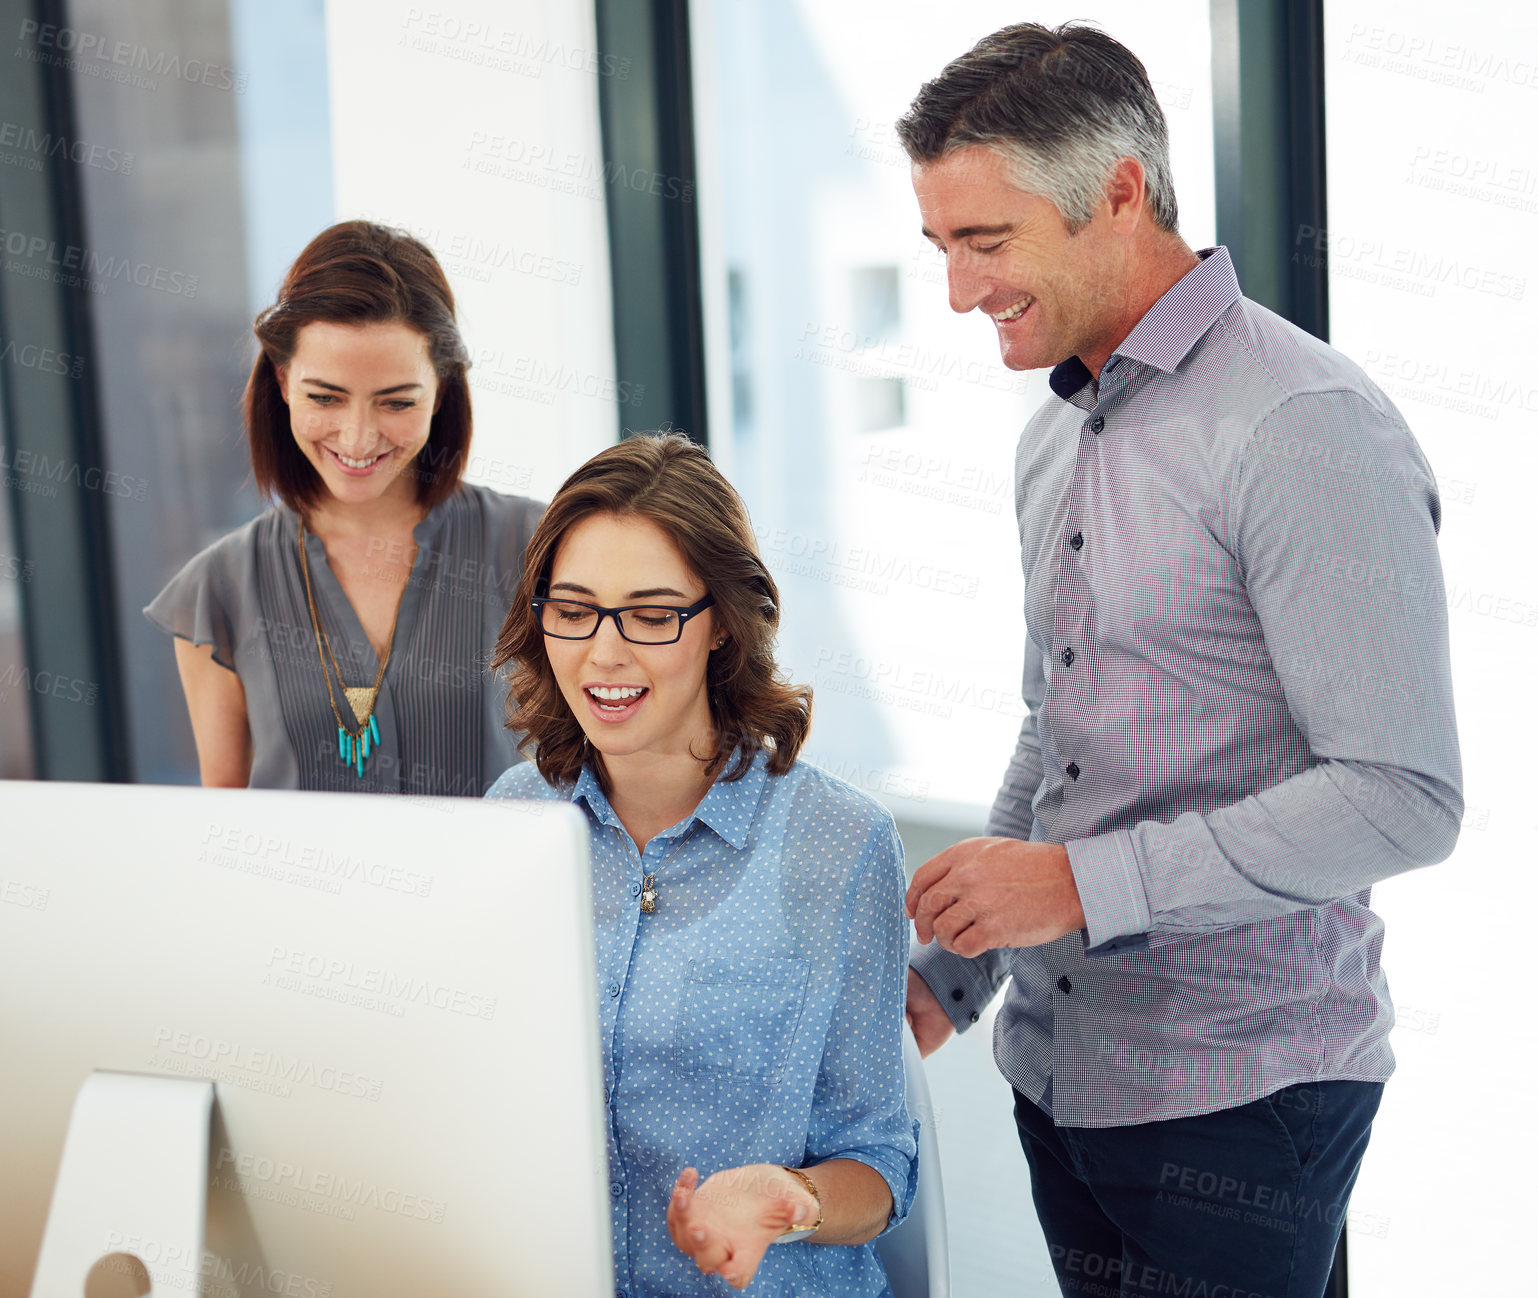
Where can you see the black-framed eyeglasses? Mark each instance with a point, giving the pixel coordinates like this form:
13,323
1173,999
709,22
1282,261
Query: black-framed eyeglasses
571,619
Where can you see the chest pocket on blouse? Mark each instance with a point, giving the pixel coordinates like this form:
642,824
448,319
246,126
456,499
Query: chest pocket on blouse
739,1017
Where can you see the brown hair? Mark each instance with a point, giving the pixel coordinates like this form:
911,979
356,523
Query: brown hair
358,273
670,481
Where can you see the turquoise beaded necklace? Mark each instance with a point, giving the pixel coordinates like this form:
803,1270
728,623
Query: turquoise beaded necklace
353,746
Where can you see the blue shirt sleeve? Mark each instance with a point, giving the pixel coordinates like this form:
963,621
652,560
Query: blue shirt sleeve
859,1110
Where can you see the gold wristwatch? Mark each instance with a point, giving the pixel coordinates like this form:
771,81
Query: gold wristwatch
803,1232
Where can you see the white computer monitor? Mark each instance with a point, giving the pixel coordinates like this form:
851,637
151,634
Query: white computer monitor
393,996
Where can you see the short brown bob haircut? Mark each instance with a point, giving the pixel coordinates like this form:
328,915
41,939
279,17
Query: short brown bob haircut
670,481
359,273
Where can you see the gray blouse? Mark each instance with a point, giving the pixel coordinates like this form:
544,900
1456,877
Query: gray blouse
440,711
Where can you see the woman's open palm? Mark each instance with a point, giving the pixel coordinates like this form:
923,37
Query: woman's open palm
727,1223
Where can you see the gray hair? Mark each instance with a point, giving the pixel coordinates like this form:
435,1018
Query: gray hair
1062,105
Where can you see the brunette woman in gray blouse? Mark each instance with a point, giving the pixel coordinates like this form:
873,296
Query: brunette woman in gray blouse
339,641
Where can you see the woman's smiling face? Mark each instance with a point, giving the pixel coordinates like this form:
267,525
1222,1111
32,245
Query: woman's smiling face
632,698
360,403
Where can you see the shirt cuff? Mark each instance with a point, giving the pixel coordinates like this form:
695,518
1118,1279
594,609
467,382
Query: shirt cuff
1111,891
963,992
901,1176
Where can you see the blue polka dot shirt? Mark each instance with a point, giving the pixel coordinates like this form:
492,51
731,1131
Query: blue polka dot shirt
755,1017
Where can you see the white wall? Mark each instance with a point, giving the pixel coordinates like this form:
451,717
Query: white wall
1433,200
474,124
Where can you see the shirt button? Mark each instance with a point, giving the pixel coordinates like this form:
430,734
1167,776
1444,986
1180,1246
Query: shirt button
1063,985
635,890
616,1189
1077,541
1068,657
613,989
1097,424
957,994
973,1017
1073,770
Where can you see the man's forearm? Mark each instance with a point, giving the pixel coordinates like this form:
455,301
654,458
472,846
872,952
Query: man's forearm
1326,833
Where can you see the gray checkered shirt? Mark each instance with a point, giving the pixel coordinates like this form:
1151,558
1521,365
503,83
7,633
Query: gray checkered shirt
1239,716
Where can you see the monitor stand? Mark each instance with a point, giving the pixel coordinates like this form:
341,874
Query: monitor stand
133,1181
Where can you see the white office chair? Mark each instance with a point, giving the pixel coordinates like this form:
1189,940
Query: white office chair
916,1255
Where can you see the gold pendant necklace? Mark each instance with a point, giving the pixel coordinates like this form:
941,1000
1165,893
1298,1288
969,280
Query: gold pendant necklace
354,746
649,883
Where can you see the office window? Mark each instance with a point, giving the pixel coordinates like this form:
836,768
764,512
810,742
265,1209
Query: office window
212,142
213,152
878,468
742,376
15,733
878,400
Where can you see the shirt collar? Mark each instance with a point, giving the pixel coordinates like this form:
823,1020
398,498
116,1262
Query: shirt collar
728,807
1171,327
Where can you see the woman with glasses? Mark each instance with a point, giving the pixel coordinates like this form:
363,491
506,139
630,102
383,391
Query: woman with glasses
751,944
338,641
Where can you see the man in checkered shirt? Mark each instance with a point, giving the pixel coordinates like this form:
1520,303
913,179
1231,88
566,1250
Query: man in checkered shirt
1239,706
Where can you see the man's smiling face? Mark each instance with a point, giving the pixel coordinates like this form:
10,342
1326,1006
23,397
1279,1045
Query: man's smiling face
1010,255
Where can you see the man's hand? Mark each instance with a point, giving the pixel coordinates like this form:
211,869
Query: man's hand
932,1026
987,893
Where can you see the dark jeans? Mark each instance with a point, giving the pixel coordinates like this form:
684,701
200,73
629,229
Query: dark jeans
1242,1203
